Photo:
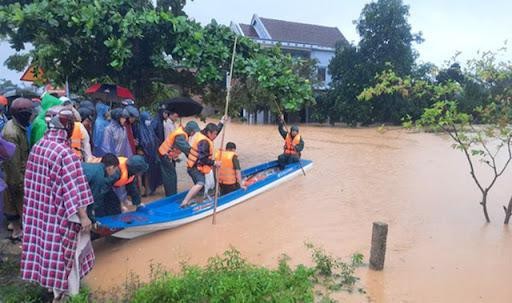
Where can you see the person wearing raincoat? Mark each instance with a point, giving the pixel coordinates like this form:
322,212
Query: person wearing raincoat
147,141
7,150
38,126
100,124
160,122
3,109
131,126
115,140
15,131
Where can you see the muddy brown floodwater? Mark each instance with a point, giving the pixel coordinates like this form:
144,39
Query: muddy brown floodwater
439,248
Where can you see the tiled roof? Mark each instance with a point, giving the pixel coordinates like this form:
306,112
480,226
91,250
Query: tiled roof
300,32
249,30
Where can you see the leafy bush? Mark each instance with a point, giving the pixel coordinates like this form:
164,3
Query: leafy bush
230,278
15,290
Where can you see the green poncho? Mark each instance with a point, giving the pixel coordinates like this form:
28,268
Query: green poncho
39,124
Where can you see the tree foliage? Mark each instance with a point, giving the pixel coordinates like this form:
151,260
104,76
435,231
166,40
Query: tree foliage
488,143
386,37
386,43
137,44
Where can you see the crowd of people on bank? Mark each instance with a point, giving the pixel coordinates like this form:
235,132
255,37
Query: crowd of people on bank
66,163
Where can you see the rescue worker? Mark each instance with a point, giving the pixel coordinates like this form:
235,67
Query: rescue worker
15,131
200,159
228,174
101,177
129,168
293,144
81,142
170,151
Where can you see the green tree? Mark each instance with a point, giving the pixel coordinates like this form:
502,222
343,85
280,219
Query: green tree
386,37
386,43
488,143
176,6
349,77
137,45
6,84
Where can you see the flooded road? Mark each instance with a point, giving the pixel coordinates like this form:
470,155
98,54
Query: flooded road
439,248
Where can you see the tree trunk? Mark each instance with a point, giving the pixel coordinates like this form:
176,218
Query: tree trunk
484,206
508,211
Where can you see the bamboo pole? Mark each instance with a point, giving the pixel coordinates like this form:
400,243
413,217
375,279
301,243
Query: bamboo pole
228,97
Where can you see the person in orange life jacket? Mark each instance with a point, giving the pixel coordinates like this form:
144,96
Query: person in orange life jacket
229,175
293,145
87,116
170,150
127,185
80,140
200,159
101,177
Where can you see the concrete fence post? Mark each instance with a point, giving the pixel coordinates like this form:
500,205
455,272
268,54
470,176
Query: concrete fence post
378,249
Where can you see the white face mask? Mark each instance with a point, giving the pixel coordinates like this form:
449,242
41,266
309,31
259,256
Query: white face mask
147,122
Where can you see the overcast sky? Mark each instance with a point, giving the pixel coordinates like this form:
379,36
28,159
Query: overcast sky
448,26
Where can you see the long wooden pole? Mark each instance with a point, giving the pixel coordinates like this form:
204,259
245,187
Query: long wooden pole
228,97
286,129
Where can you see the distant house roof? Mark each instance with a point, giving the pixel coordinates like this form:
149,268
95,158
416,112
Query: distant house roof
300,32
249,30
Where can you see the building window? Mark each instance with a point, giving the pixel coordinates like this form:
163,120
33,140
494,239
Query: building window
321,74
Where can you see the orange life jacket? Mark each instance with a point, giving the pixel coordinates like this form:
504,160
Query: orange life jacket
167,147
194,153
76,140
227,172
123,168
289,144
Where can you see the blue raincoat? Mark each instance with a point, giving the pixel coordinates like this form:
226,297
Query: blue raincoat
115,140
100,125
148,140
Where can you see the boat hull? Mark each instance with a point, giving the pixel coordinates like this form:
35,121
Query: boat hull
166,214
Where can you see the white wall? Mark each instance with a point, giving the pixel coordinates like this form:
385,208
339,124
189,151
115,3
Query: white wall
323,59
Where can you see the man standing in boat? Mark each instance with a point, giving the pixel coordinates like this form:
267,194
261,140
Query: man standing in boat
230,177
293,144
200,158
170,150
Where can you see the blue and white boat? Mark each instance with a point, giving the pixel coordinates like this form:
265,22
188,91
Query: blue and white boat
166,213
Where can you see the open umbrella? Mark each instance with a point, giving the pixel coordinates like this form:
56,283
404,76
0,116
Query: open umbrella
14,93
109,92
184,107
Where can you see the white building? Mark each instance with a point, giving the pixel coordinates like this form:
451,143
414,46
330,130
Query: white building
300,40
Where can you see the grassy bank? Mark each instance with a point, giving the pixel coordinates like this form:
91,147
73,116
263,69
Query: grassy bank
226,278
12,288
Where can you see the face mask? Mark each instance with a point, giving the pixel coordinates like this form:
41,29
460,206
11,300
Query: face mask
148,123
23,118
